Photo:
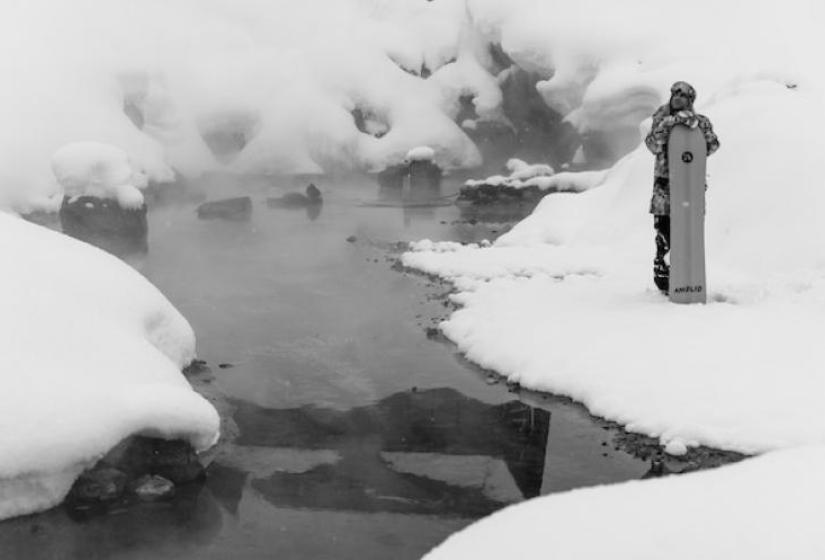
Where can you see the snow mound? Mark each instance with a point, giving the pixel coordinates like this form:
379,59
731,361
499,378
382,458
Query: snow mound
761,509
522,170
147,78
92,354
421,153
565,303
523,174
98,170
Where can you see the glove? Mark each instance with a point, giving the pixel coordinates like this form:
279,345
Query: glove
687,118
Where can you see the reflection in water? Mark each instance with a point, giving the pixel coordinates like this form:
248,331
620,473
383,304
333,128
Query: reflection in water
417,199
193,517
430,452
343,332
103,223
496,213
314,211
312,201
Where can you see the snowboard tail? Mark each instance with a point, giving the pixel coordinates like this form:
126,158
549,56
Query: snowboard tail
687,158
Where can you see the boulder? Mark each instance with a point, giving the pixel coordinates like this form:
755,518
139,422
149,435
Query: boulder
99,485
104,223
392,178
174,460
238,209
425,179
312,197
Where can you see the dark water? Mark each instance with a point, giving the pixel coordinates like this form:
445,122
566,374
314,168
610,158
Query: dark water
355,435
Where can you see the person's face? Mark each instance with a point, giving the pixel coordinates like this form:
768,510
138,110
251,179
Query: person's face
679,100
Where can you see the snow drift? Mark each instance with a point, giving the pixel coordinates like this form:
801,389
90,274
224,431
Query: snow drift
565,303
274,83
92,354
762,509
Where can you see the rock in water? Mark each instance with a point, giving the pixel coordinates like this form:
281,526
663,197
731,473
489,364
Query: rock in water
297,200
174,460
392,178
152,487
103,484
239,209
104,223
425,179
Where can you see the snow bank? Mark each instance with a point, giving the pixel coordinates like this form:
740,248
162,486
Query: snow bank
565,302
761,509
282,81
99,170
92,353
523,174
280,78
743,372
522,170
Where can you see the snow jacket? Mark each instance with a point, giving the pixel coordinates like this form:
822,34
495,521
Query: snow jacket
656,141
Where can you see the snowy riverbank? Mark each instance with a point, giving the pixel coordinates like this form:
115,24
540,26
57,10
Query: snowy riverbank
762,509
565,303
92,354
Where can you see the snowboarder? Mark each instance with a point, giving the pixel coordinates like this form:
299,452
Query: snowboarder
679,110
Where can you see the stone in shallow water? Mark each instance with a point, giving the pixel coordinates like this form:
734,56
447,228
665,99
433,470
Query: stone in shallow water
174,460
425,179
152,487
105,224
239,208
392,178
312,197
103,484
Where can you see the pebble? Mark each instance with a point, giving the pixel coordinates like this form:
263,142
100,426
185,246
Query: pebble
153,487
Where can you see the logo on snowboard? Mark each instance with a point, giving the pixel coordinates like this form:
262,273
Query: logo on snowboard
687,157
688,290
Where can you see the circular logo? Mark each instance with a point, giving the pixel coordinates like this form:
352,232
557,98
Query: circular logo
687,157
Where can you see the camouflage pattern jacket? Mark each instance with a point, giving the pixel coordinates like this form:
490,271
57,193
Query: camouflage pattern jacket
656,141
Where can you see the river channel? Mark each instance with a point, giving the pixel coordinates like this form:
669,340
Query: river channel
354,433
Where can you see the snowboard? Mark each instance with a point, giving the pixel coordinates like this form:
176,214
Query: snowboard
687,159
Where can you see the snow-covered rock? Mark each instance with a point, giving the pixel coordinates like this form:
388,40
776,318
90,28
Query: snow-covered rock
522,175
92,354
99,170
421,153
676,447
522,170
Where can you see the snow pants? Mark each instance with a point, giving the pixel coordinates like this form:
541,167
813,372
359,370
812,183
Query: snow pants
661,269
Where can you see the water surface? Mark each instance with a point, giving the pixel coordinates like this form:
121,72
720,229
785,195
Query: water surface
354,435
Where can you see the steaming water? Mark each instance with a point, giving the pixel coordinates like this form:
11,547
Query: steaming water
357,436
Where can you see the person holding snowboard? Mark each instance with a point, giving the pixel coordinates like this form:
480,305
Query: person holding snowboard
679,110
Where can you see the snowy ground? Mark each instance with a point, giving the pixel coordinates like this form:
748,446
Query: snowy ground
565,303
762,509
92,353
562,303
